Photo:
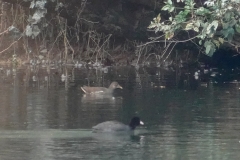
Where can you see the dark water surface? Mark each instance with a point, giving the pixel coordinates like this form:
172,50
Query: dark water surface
45,116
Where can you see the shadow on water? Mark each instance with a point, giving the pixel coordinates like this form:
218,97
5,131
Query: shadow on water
188,114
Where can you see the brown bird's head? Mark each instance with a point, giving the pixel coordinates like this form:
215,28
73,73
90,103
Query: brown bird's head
115,85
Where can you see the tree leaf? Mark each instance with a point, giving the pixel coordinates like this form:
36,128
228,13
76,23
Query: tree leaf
158,18
196,29
189,26
227,16
181,17
221,40
166,7
237,28
189,4
197,23
171,9
169,35
216,42
212,27
202,11
228,33
210,48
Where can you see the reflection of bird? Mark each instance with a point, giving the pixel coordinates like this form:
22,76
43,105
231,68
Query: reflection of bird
115,126
91,97
104,90
102,99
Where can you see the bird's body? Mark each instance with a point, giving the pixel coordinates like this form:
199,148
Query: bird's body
115,126
91,90
101,90
111,126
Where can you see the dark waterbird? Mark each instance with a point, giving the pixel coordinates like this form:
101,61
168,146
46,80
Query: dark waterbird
101,90
115,126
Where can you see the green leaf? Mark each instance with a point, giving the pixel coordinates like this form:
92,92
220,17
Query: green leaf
228,33
169,1
189,26
202,11
151,26
212,27
232,22
189,4
221,40
200,42
237,28
171,9
197,23
187,7
176,27
215,24
158,18
216,42
182,16
166,7
196,29
210,48
225,25
169,35
228,16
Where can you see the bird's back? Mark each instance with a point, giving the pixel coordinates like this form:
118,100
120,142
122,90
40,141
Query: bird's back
111,126
91,90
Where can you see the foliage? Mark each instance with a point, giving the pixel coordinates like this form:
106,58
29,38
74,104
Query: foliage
35,21
214,23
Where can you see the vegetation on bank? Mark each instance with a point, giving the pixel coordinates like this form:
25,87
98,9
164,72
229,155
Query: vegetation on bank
208,24
36,31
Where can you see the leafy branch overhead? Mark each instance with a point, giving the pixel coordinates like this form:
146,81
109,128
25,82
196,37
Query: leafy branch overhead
36,21
215,22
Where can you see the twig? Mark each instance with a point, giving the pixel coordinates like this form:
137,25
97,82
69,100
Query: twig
4,32
11,45
170,52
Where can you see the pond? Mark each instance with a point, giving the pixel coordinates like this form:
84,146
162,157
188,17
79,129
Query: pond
45,115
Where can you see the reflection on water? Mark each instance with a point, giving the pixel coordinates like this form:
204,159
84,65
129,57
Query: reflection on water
44,116
101,99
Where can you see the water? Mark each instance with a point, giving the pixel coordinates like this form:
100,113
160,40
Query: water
46,116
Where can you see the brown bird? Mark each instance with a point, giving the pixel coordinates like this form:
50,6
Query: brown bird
101,90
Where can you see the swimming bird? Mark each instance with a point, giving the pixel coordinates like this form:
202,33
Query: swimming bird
115,126
103,90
